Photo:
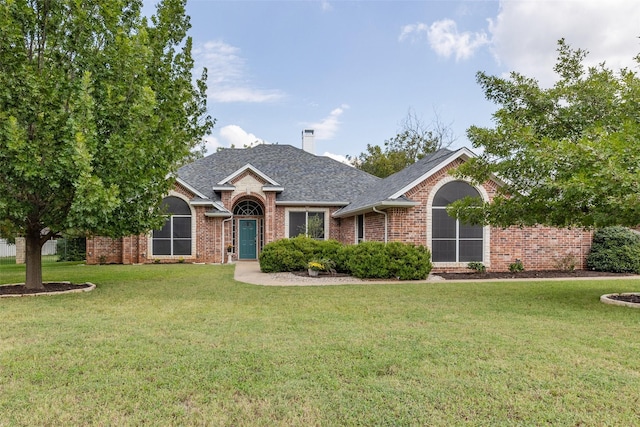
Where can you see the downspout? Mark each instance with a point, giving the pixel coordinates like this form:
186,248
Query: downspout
386,223
224,248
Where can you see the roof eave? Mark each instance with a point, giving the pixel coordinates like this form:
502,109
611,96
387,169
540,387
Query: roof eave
310,203
385,204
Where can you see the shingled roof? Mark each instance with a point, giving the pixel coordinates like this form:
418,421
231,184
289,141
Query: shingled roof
390,191
302,176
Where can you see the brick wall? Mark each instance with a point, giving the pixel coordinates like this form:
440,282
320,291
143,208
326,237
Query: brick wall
537,247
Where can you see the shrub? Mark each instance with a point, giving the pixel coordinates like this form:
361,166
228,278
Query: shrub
294,254
372,260
477,266
408,262
376,260
615,249
516,266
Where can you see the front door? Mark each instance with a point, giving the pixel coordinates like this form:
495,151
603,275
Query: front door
247,238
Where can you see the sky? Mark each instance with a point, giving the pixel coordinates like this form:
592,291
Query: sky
353,70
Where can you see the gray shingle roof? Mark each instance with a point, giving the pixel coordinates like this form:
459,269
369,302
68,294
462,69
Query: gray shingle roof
303,176
383,190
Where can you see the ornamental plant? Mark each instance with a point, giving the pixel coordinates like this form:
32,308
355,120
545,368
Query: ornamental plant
316,266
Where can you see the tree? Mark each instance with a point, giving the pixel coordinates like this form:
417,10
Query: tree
414,141
98,108
567,155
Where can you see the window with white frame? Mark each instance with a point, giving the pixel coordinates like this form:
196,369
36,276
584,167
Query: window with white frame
311,223
174,238
453,241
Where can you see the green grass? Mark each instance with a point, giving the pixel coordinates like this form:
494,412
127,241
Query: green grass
187,345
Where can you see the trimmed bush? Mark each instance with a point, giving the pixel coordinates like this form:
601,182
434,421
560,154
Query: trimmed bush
615,249
376,260
367,260
294,254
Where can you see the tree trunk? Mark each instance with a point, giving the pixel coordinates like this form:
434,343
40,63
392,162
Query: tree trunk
33,260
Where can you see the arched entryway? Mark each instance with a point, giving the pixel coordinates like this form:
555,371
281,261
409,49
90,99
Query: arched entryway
248,228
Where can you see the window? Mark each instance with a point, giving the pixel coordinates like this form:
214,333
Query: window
310,223
247,208
174,238
451,240
360,228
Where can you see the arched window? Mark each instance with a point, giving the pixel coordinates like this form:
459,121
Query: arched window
174,238
247,208
451,240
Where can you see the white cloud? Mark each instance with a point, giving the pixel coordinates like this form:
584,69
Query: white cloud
227,80
238,137
444,38
231,135
413,31
211,144
327,127
338,157
524,34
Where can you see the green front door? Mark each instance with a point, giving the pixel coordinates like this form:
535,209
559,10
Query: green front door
248,239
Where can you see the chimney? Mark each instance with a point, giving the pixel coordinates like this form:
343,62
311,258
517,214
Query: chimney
308,141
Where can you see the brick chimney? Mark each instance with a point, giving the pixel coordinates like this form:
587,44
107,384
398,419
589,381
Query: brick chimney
308,141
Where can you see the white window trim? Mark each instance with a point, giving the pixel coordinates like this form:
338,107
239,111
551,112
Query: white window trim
150,254
486,230
326,211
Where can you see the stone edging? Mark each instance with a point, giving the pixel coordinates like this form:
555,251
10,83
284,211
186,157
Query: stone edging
70,291
607,300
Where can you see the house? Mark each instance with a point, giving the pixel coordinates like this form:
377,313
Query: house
233,202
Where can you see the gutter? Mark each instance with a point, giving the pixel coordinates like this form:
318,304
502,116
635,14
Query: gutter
386,224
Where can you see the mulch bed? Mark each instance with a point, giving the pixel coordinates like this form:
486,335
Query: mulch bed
532,274
48,287
633,298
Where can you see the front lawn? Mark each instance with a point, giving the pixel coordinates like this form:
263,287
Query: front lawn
187,345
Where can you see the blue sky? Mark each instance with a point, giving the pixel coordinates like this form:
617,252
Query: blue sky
352,70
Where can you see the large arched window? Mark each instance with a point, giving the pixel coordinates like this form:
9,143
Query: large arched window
451,240
174,238
247,208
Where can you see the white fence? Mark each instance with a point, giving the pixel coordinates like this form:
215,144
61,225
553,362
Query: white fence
9,250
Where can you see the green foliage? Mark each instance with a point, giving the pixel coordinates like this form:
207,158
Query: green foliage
566,155
293,254
615,249
376,260
98,106
71,249
516,266
365,260
477,266
414,141
369,260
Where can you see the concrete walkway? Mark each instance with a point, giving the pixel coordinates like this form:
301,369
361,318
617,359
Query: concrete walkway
249,272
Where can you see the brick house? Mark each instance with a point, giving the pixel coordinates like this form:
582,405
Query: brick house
233,202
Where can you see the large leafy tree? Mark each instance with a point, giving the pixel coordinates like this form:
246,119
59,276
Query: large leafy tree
568,155
413,141
98,108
